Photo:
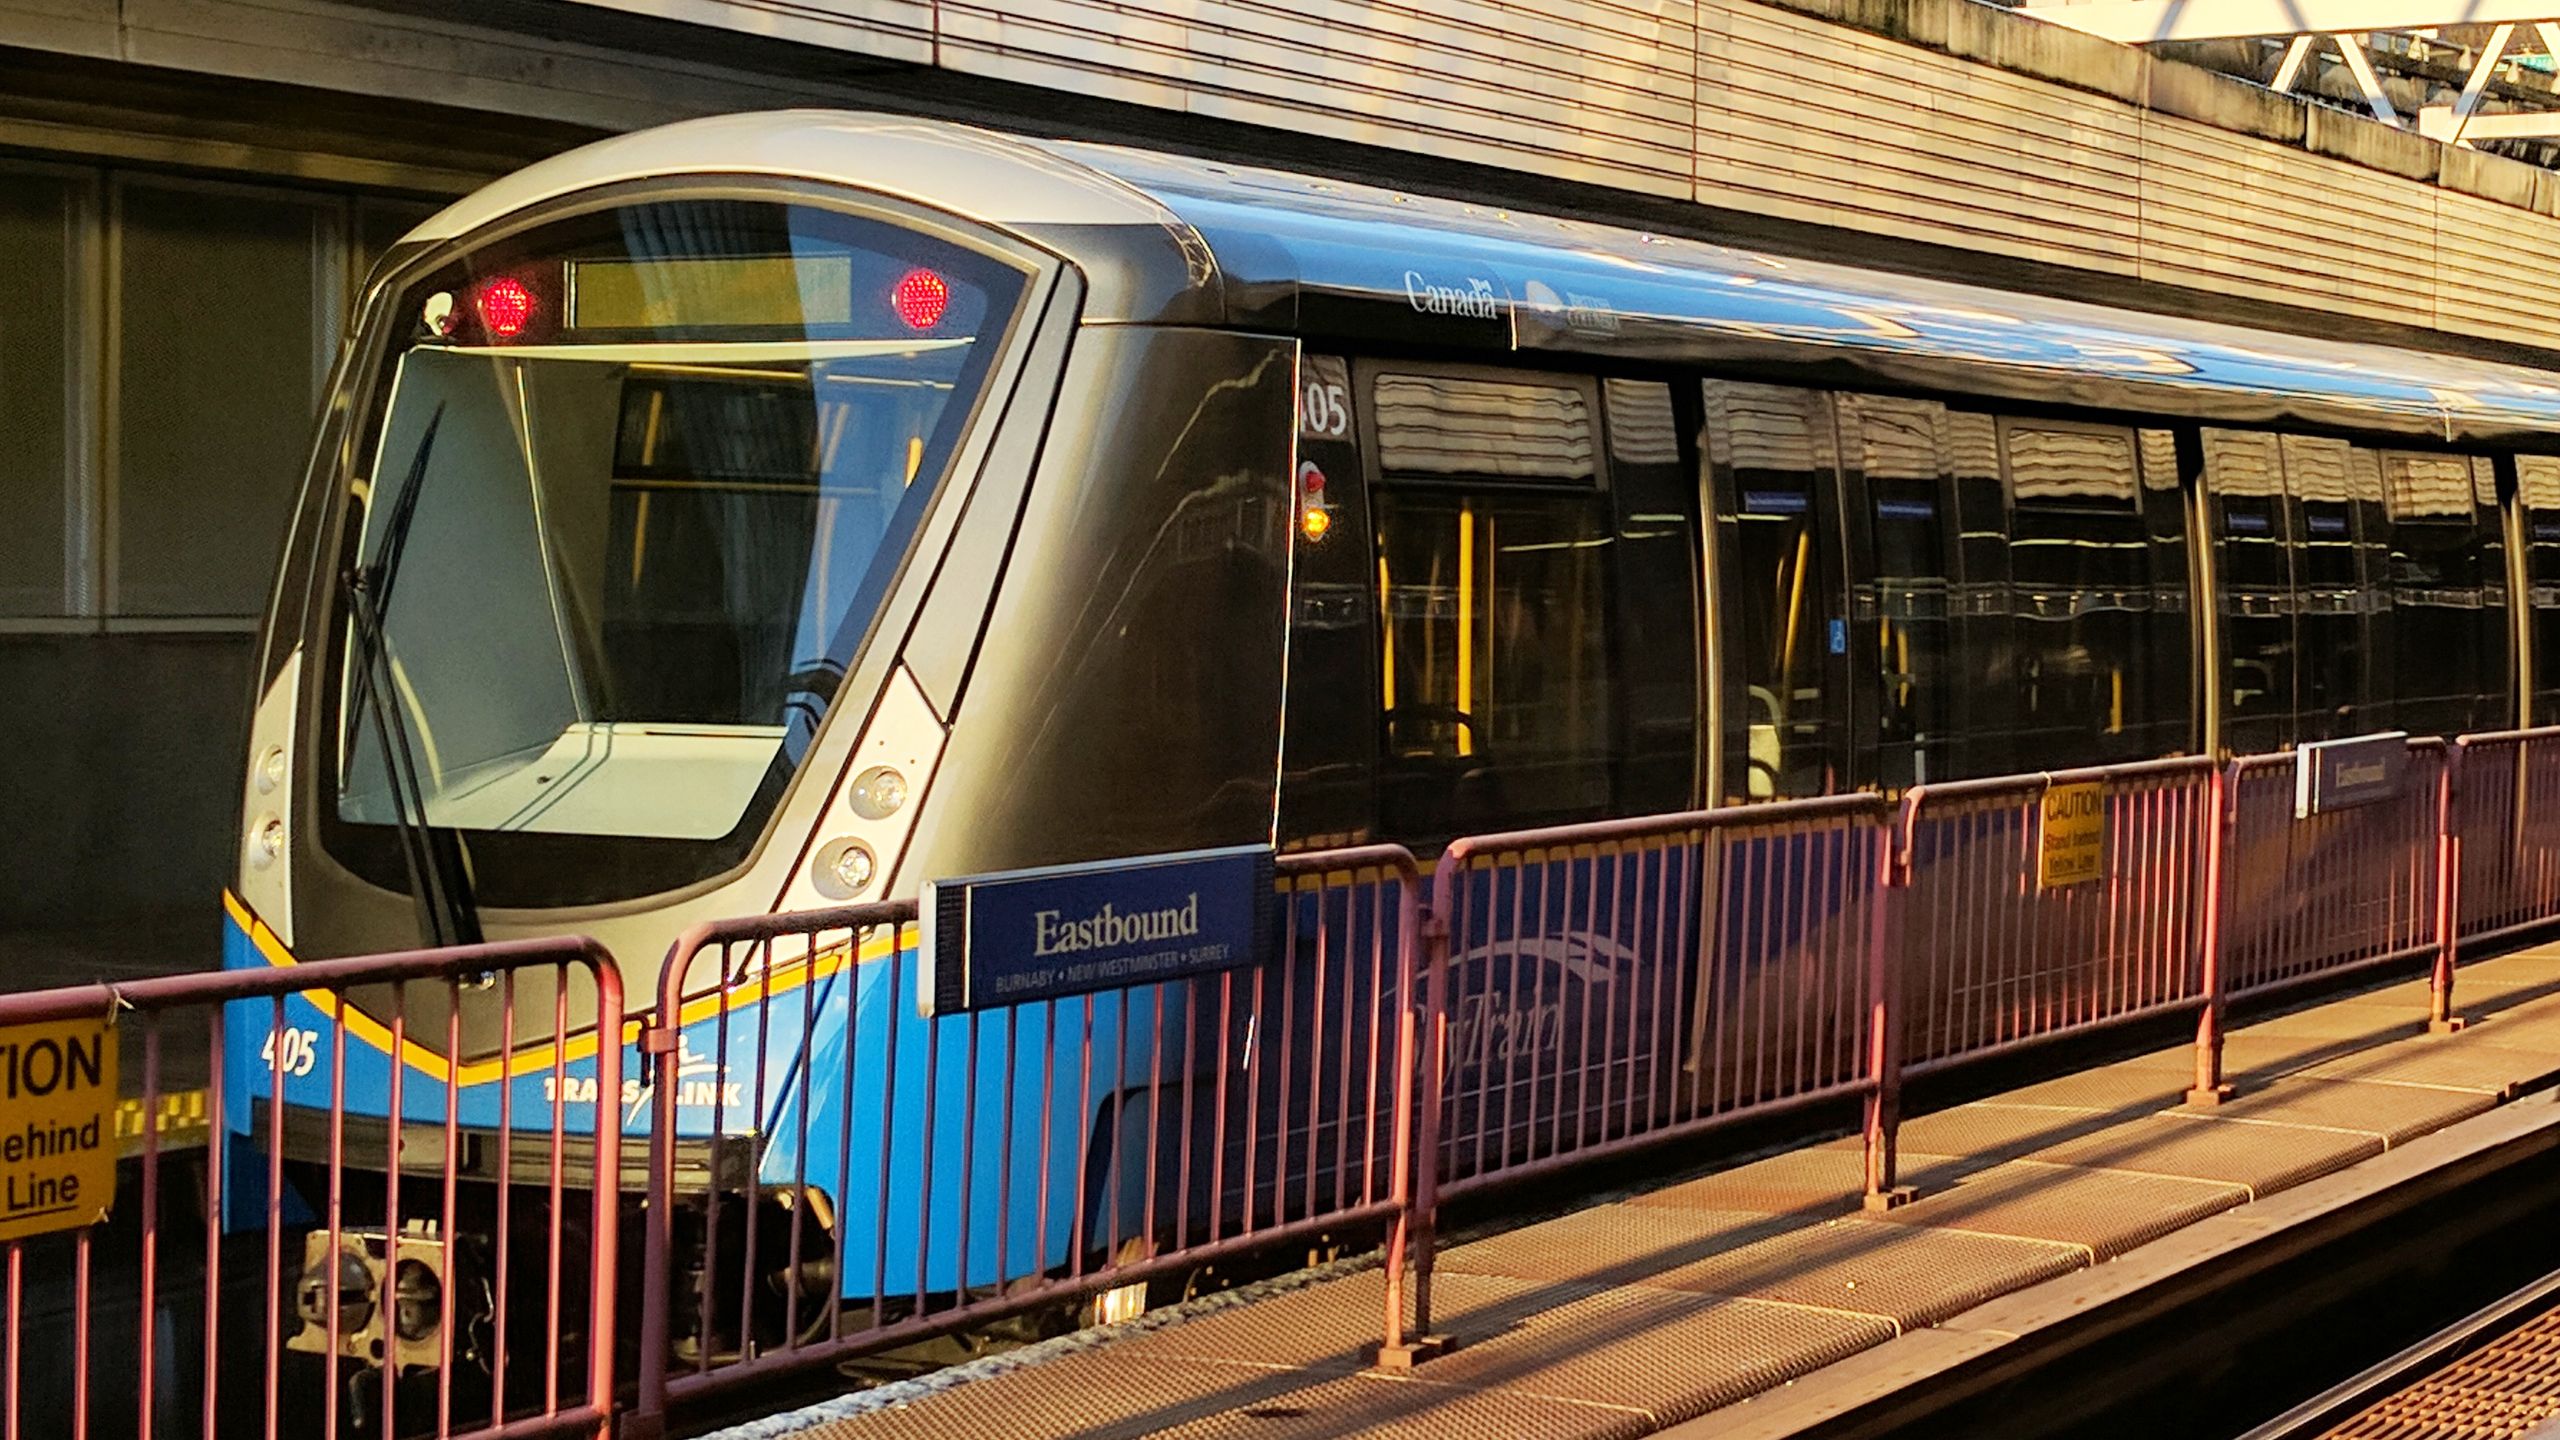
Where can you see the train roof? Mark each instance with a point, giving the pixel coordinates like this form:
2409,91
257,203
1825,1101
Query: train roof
1165,238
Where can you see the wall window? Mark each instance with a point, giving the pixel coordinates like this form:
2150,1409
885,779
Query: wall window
226,308
43,217
167,340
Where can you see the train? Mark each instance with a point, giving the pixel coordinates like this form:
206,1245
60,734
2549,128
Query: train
780,511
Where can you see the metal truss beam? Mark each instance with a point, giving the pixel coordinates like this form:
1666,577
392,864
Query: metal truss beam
2149,22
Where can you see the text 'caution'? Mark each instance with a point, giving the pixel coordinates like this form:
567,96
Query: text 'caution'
57,1126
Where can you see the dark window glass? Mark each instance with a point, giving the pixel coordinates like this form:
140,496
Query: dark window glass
1782,619
1986,676
1657,579
1328,755
1904,598
226,299
1503,572
2081,570
2538,484
2442,629
2253,580
36,293
2337,508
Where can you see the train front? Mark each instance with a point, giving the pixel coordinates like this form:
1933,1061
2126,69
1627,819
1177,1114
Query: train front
610,607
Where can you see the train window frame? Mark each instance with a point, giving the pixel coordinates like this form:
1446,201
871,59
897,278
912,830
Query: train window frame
1598,492
658,872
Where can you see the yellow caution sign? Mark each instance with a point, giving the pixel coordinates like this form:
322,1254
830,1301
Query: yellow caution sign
57,1126
2072,843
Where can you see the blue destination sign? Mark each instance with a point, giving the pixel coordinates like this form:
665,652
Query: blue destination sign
2342,774
1031,935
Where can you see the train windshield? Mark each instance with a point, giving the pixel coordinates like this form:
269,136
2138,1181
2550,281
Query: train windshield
641,480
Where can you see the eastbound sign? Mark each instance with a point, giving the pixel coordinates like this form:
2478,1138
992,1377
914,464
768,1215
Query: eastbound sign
57,1126
2342,774
1030,935
2071,841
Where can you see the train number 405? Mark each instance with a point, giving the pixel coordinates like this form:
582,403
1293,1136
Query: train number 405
291,1050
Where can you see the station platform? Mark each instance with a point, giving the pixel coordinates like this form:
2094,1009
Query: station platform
1633,1317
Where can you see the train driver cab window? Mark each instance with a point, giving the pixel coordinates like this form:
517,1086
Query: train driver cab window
1499,554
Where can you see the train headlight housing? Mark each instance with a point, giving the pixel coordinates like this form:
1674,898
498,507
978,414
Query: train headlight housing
845,869
271,770
266,842
878,792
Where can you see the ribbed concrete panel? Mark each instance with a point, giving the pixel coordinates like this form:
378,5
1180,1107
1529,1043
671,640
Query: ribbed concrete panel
2235,214
1586,89
2108,1211
1816,120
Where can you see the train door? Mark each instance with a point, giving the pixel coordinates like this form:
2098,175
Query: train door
2447,572
1535,570
2252,535
2337,523
1780,610
2538,496
1902,539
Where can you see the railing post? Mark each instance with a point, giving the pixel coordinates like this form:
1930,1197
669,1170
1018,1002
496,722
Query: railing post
658,1045
2220,823
1416,1174
1885,1016
2440,1017
604,1285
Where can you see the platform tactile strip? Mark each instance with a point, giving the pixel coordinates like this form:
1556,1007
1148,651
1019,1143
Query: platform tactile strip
1618,1244
2266,1158
2445,1062
1912,1275
1671,1355
1805,1184
2393,1113
2107,1211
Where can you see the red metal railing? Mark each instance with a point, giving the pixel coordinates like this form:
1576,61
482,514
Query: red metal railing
304,1180
2505,823
1997,953
910,1177
830,1174
2305,897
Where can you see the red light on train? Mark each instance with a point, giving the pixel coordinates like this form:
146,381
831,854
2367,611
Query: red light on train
506,306
920,298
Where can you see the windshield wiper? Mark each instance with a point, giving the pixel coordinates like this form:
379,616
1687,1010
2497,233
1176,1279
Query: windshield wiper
439,869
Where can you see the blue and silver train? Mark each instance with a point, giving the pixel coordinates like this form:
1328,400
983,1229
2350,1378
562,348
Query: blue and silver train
784,510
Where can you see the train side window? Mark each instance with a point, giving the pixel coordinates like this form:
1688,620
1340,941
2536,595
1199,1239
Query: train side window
1779,605
1329,731
2082,588
2253,581
2538,486
2337,507
1986,656
1495,550
2441,649
1902,600
1658,592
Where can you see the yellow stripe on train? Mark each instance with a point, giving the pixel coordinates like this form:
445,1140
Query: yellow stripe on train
781,980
